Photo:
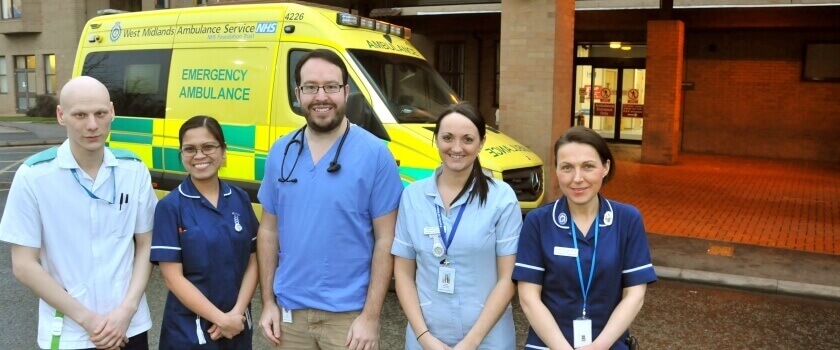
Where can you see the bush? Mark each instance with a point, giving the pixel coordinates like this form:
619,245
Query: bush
45,106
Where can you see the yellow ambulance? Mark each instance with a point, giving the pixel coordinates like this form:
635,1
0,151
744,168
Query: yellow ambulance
236,63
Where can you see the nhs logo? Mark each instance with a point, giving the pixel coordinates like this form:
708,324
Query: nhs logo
266,27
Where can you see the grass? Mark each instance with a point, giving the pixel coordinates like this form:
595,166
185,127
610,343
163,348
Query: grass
23,118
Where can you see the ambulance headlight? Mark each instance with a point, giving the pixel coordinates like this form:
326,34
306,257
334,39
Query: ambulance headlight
347,19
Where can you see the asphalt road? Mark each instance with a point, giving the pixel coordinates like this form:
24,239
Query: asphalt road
675,315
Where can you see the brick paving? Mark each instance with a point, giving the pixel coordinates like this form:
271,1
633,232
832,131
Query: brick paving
773,203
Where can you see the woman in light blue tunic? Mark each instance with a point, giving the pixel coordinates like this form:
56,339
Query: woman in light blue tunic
455,246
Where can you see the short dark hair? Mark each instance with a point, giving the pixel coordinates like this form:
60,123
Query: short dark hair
587,136
482,181
325,55
208,122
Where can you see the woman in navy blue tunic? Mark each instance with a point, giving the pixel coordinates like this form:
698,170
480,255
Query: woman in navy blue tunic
204,240
583,262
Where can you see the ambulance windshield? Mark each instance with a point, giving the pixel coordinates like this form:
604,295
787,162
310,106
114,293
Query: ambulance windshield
414,92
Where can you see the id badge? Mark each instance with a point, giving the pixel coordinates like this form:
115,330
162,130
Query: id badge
583,332
446,280
287,315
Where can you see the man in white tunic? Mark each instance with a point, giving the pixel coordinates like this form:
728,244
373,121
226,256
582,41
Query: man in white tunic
79,219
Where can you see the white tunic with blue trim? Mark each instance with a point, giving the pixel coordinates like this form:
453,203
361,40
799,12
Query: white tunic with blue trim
87,244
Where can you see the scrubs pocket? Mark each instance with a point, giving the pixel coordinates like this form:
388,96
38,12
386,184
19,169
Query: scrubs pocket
80,293
440,321
118,221
117,291
195,258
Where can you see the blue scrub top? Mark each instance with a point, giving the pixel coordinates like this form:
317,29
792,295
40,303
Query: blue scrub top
214,256
325,218
623,260
483,234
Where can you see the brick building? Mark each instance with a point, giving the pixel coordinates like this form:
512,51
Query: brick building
733,77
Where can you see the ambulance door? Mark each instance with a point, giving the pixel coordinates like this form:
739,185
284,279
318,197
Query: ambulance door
232,82
288,115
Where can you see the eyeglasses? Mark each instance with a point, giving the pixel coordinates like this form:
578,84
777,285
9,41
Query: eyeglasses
313,89
191,151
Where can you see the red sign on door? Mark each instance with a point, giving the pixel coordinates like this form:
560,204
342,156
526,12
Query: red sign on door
633,96
605,94
605,109
632,110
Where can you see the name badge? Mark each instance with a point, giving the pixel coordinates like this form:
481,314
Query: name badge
446,280
431,230
583,332
287,315
564,251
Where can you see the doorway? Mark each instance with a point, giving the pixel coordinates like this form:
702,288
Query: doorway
610,100
25,83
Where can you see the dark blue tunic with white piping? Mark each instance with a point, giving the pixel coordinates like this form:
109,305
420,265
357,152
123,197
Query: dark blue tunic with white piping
214,256
623,260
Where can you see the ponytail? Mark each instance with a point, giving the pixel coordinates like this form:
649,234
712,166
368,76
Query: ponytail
480,182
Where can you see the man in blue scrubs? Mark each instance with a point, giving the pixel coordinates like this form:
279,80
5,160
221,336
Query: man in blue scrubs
329,196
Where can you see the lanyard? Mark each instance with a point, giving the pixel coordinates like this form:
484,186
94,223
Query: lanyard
447,240
577,259
113,194
57,325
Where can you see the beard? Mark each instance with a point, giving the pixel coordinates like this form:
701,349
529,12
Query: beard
331,125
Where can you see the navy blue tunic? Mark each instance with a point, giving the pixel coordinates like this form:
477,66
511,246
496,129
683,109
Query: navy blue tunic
623,260
214,256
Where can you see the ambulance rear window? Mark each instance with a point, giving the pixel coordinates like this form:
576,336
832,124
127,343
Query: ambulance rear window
136,80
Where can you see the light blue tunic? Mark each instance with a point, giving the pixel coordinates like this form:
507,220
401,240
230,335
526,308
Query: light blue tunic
484,233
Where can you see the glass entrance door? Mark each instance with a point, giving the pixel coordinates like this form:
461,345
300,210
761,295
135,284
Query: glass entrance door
632,104
615,113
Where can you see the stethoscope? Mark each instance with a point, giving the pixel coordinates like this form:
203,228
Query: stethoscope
334,166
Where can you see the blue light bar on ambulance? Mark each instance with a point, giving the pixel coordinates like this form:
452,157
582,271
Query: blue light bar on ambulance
347,19
383,27
351,20
368,23
398,31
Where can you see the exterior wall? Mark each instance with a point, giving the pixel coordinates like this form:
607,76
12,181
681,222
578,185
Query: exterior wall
748,99
527,70
62,23
663,84
564,53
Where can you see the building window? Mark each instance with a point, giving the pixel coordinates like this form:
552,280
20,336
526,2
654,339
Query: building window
49,73
450,64
161,4
126,5
10,8
25,62
4,76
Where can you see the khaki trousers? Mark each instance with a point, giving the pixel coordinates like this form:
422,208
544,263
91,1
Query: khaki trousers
316,329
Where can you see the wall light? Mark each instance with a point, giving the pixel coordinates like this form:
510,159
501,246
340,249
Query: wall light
626,48
615,44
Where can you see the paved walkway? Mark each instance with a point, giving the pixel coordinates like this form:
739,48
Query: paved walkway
772,203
